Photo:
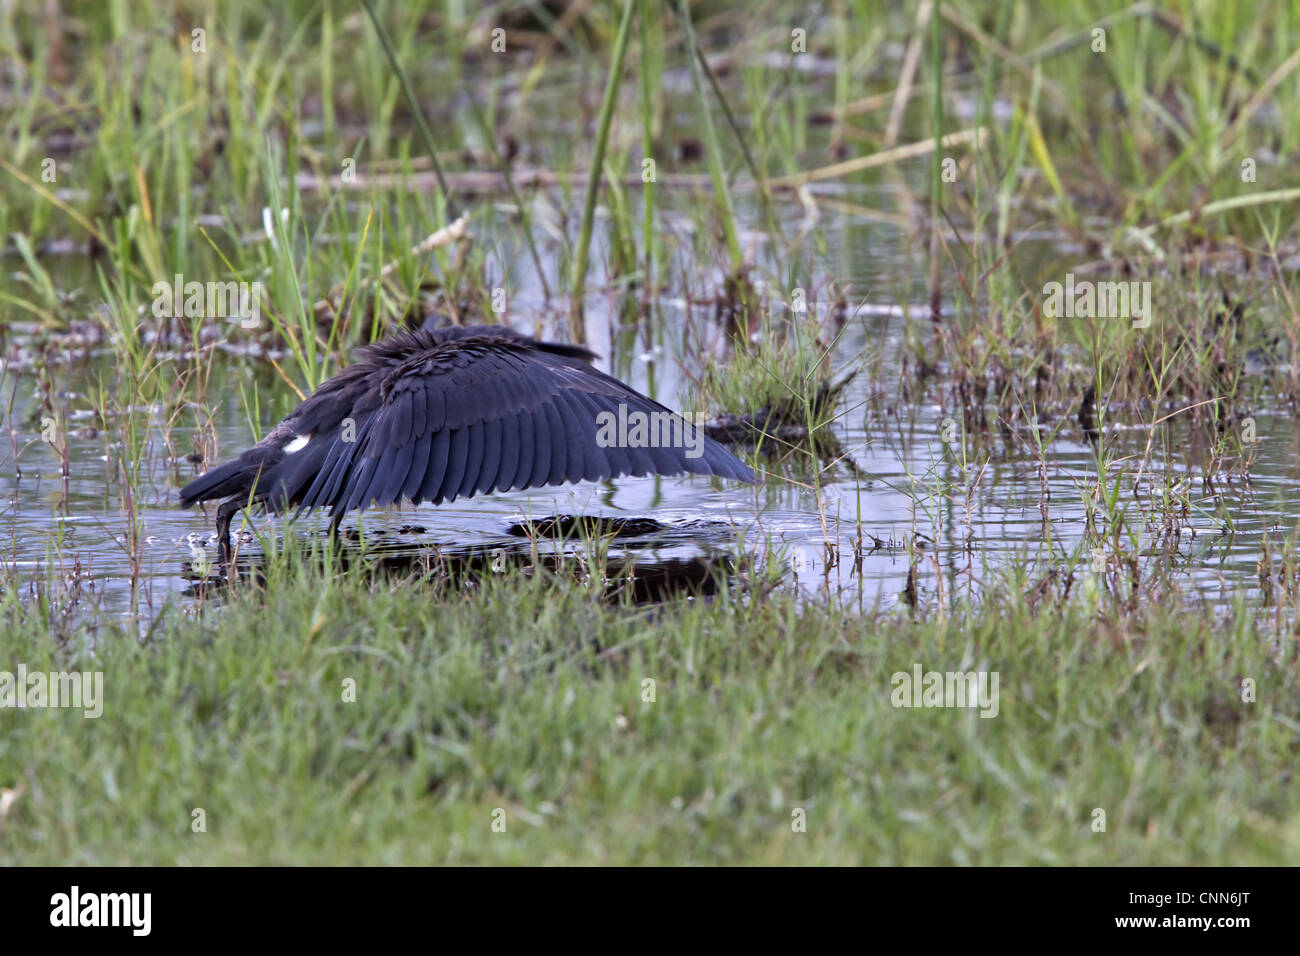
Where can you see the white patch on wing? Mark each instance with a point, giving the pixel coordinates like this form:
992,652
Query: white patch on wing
298,444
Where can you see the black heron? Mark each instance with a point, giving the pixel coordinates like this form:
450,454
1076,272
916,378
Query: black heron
433,414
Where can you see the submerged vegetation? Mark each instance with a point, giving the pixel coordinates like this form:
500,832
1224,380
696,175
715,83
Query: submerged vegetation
1001,300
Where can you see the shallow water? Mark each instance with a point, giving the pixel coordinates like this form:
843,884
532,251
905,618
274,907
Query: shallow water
856,538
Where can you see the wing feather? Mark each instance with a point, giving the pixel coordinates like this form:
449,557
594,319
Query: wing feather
440,415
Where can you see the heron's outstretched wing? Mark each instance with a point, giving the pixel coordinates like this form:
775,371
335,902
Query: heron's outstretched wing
493,414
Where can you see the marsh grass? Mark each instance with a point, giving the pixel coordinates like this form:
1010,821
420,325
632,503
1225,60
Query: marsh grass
294,146
529,696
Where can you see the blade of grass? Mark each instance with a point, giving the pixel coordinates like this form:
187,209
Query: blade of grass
429,145
717,171
579,282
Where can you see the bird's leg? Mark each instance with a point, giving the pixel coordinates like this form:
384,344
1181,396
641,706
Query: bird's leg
336,519
228,509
